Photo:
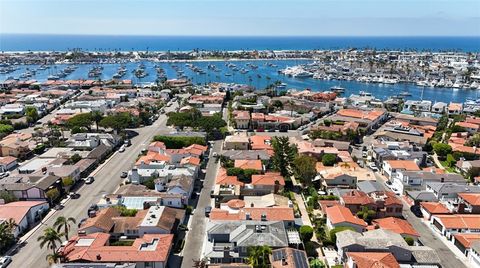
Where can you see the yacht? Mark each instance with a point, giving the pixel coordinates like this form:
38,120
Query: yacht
337,89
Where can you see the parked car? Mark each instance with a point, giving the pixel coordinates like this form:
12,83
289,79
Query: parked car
124,174
5,261
122,149
127,142
58,207
373,167
89,180
416,211
208,209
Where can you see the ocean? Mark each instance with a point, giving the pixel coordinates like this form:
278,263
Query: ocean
45,42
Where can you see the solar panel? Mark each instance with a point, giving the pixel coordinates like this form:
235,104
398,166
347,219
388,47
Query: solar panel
300,260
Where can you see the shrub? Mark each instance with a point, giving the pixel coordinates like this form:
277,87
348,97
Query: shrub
329,159
125,212
442,149
409,240
7,197
6,129
179,142
67,181
53,194
306,233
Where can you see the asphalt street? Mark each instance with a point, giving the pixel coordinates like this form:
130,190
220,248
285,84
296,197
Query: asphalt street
197,233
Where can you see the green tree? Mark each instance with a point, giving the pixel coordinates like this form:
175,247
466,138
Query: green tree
316,263
7,197
118,122
80,121
442,149
258,256
50,238
31,113
6,129
53,194
329,159
64,223
6,237
96,116
306,233
75,158
366,214
284,155
305,168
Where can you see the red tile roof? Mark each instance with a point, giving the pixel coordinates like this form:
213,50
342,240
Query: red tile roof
435,208
396,225
408,165
269,178
373,260
467,239
224,179
471,198
338,214
98,250
249,164
460,221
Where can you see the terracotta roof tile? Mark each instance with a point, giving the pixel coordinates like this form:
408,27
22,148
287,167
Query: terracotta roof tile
396,225
373,260
338,214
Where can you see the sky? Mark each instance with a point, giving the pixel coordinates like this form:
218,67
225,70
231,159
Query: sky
243,17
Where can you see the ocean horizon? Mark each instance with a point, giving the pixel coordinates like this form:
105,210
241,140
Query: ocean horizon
65,42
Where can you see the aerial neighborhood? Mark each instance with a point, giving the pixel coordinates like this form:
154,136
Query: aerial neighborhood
117,174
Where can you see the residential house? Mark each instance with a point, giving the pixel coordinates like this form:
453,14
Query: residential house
7,163
381,240
288,258
397,225
391,167
236,142
430,209
24,213
340,216
449,225
370,260
228,241
152,250
235,210
242,119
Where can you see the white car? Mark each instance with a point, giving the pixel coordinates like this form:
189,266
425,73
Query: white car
122,149
373,167
5,261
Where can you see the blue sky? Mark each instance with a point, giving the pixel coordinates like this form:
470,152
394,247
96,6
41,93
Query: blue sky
243,17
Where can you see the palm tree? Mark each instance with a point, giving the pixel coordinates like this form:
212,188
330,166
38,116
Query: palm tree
10,225
63,222
50,238
53,258
258,256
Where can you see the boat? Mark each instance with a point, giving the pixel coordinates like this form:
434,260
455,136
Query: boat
405,94
53,77
337,89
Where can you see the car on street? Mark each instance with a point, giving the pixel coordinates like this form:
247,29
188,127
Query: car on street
58,207
208,209
89,180
127,142
122,149
416,211
74,195
123,175
373,167
5,261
